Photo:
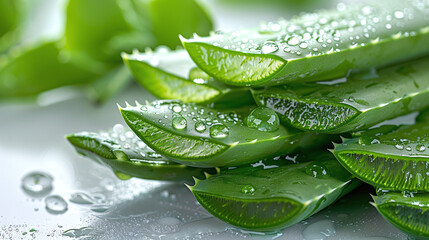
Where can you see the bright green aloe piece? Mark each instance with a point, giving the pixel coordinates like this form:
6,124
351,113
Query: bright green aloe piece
30,70
351,105
408,213
204,137
275,194
8,16
318,46
120,150
391,157
173,75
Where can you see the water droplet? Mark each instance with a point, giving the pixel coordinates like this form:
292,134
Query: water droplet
55,204
399,146
118,128
264,119
81,198
169,221
420,148
269,47
200,126
219,131
179,123
99,208
319,230
37,184
399,14
293,41
408,194
303,45
78,233
388,26
408,148
286,49
316,170
177,108
248,189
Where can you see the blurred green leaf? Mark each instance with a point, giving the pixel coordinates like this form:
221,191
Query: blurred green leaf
8,16
28,71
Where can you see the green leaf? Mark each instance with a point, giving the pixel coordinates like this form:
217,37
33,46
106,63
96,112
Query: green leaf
408,213
203,137
392,158
33,69
271,195
120,150
169,18
109,85
173,75
318,46
351,105
8,16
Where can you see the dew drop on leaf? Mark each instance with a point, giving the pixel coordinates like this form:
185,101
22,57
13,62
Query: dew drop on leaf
316,170
246,189
420,148
200,126
264,119
179,123
219,131
55,204
269,47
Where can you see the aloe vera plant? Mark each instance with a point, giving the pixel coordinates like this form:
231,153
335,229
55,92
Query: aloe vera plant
351,105
408,213
204,137
129,157
276,193
391,157
318,46
172,75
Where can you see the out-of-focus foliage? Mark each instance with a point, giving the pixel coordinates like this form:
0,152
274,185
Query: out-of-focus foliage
95,33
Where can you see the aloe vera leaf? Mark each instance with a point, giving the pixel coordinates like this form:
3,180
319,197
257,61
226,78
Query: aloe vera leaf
272,195
120,150
318,46
173,75
409,214
203,137
355,104
8,16
169,18
396,159
109,85
30,70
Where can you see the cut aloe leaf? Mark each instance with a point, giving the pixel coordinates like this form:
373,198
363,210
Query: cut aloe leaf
351,105
128,156
272,195
318,46
395,158
408,213
23,73
204,137
172,75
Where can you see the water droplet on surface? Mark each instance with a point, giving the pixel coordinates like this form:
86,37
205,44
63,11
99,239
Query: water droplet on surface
319,230
169,221
200,126
219,131
420,148
399,14
100,208
179,123
246,189
118,128
37,184
177,108
264,119
388,26
399,146
303,45
81,198
316,170
269,47
78,233
293,41
55,204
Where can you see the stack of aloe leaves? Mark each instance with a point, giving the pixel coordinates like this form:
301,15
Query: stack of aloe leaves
255,111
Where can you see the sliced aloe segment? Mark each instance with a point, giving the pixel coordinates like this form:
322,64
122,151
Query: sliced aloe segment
351,105
128,156
172,75
317,46
204,137
408,213
271,195
393,158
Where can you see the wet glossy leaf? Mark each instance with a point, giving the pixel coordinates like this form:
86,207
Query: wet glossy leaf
172,75
274,194
408,213
393,158
120,150
319,46
204,137
351,105
31,70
